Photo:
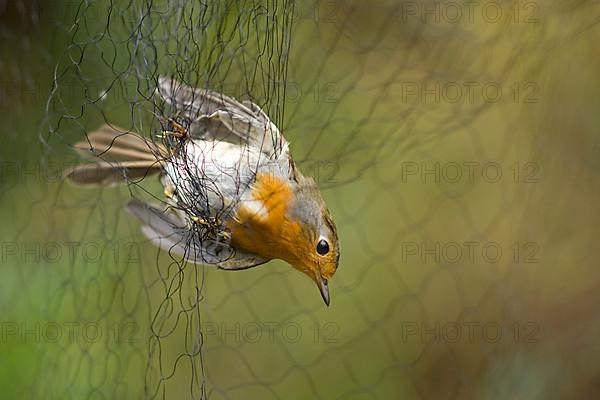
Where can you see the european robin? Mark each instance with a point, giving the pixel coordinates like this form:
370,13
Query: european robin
233,195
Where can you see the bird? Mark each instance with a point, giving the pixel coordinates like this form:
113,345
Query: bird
232,195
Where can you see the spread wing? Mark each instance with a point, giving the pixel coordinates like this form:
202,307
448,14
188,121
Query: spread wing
169,232
214,116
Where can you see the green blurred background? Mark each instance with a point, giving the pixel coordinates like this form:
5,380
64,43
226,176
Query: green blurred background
367,96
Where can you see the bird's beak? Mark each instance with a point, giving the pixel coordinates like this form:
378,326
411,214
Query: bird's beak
323,288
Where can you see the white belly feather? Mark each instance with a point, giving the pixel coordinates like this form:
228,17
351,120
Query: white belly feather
212,178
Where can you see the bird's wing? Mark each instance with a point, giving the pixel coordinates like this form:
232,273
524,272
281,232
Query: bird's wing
169,232
215,116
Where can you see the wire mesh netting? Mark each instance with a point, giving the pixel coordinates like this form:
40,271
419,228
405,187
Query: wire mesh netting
453,143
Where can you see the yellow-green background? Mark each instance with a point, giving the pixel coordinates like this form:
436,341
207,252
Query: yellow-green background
365,53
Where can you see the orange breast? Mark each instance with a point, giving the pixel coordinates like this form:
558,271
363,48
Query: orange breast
269,233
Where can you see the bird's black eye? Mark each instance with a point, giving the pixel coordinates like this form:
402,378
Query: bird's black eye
322,247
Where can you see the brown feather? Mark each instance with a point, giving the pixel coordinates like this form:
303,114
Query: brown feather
105,173
119,156
117,144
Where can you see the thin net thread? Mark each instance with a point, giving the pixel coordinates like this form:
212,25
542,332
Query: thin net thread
351,128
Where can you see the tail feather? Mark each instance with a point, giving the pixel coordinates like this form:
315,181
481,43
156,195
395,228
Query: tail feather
119,156
105,173
116,144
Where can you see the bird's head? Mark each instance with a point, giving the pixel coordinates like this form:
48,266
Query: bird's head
315,249
290,222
